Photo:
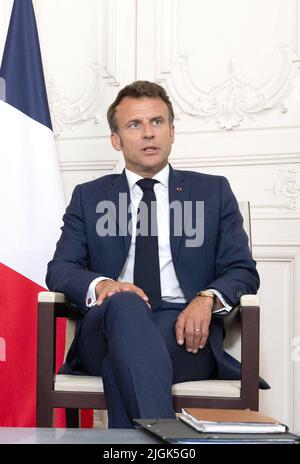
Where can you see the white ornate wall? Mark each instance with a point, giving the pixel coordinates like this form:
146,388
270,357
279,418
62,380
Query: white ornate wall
232,70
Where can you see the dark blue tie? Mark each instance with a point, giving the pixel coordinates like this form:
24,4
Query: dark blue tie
146,262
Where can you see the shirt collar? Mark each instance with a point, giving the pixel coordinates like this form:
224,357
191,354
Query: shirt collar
162,177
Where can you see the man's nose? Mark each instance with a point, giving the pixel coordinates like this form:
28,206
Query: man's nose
148,131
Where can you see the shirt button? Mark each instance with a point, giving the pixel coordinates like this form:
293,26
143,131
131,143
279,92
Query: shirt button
89,300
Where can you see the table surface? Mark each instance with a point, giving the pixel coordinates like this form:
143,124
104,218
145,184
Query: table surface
17,435
28,435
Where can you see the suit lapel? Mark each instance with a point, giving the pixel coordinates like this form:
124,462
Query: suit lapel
121,202
179,191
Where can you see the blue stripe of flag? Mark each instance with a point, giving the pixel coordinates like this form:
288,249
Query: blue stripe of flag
22,67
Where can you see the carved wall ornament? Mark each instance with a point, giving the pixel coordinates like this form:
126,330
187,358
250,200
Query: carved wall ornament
287,186
233,100
102,73
67,113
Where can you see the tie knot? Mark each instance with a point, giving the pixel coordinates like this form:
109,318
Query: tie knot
147,184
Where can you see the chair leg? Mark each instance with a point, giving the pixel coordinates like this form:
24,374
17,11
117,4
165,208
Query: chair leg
44,416
72,418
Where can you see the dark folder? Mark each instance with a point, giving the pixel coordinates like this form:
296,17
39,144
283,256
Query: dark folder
176,431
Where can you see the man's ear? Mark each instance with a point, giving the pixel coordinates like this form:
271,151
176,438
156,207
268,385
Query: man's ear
116,141
172,132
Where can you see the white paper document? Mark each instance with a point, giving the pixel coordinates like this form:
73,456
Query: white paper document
221,426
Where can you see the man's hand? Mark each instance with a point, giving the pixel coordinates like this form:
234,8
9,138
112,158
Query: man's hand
106,288
193,323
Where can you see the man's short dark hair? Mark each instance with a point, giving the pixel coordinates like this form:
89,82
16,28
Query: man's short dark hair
139,89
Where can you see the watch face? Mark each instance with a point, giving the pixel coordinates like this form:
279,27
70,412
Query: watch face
207,293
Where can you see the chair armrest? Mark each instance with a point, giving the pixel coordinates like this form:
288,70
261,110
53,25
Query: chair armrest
249,316
51,297
46,341
249,300
50,306
58,303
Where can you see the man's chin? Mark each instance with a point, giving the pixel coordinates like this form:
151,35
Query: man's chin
154,164
151,167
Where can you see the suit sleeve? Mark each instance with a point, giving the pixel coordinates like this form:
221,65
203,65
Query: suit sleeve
235,269
67,271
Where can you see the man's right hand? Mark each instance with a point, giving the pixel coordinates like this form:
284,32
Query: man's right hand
106,288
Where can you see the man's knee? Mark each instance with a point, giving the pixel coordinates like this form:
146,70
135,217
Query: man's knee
119,303
125,302
128,308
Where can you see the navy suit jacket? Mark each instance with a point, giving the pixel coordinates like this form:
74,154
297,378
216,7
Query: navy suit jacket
222,262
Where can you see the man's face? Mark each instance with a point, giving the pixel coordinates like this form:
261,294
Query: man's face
144,134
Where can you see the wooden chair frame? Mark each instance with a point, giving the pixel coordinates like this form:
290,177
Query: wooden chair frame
48,398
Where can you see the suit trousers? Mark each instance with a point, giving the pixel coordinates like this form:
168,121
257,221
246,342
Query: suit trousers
134,350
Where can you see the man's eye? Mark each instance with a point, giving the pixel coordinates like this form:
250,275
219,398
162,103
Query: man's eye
134,125
156,122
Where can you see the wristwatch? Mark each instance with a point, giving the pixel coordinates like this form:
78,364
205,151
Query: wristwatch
206,293
210,294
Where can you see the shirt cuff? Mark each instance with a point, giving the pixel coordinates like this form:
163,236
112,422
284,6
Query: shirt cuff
91,298
226,308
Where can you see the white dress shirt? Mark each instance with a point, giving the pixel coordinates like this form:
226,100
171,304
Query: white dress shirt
170,288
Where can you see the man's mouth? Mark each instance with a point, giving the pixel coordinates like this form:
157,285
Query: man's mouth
150,149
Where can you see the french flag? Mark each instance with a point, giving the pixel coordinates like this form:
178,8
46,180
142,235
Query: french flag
32,205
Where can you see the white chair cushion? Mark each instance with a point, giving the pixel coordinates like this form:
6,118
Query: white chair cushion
84,383
231,388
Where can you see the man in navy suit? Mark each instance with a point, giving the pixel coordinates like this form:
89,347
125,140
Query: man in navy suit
153,306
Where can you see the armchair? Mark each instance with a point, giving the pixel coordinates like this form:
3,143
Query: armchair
86,392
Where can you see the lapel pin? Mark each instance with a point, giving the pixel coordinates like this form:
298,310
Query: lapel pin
179,189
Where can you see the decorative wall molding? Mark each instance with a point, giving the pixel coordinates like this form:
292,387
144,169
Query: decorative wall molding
251,130
287,186
294,244
276,253
284,194
190,162
106,165
261,212
284,191
276,250
66,113
231,101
